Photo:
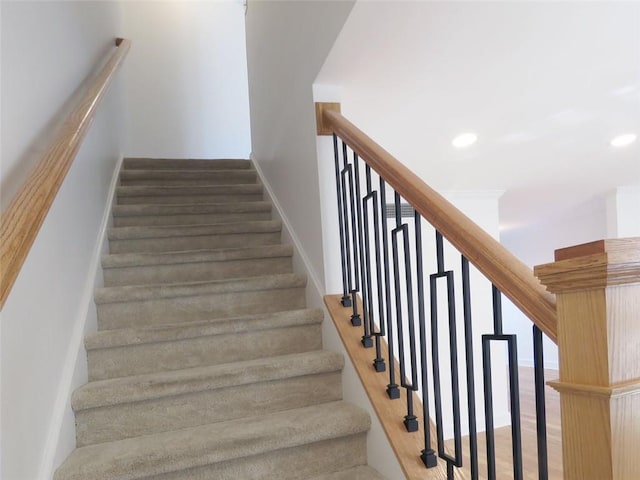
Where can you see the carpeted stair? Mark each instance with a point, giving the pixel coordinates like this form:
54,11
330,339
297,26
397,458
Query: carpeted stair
207,363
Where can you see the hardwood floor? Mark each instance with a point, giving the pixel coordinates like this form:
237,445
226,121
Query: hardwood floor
504,464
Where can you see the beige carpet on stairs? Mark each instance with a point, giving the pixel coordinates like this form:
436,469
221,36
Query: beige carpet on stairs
207,364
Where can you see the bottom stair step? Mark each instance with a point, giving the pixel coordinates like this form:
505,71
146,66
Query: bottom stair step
299,443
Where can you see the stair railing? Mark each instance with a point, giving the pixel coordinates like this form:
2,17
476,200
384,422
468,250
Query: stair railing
382,209
23,217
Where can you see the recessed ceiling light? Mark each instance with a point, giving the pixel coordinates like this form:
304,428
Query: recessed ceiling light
624,140
464,140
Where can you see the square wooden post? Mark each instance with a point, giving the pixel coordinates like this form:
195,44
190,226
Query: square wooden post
321,107
597,286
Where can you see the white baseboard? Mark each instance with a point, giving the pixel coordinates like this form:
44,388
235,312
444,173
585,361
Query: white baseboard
74,372
289,235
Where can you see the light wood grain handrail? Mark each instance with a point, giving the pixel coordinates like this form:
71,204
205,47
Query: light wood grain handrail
500,266
21,221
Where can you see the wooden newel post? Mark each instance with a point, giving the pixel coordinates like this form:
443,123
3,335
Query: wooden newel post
597,286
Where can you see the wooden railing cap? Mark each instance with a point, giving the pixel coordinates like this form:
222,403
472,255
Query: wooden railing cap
613,245
593,265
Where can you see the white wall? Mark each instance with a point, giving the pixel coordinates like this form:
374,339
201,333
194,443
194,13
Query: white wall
47,50
287,43
623,212
186,79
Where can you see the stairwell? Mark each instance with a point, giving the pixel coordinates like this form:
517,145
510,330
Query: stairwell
207,363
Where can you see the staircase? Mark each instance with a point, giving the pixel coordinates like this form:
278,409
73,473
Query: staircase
207,363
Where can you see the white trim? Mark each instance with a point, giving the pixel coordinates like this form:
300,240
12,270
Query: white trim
76,343
288,229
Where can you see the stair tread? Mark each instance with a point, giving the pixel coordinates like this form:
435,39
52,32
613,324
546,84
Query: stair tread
187,190
121,337
205,444
134,163
189,209
119,260
165,231
132,293
363,472
137,388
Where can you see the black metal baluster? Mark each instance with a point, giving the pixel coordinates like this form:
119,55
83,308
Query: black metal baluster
514,392
410,420
497,310
428,455
456,460
392,388
488,407
471,389
346,300
541,415
345,216
514,398
435,355
367,341
372,197
351,257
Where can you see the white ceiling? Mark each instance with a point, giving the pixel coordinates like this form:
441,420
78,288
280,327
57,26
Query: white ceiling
545,86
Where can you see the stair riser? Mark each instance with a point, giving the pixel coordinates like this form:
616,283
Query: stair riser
182,164
304,461
159,415
206,219
202,351
242,178
197,242
194,272
187,199
202,307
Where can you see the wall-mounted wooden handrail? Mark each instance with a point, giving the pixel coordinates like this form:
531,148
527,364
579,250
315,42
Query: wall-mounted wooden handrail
21,221
500,266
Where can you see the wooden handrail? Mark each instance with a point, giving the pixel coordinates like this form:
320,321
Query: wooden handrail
500,266
21,221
